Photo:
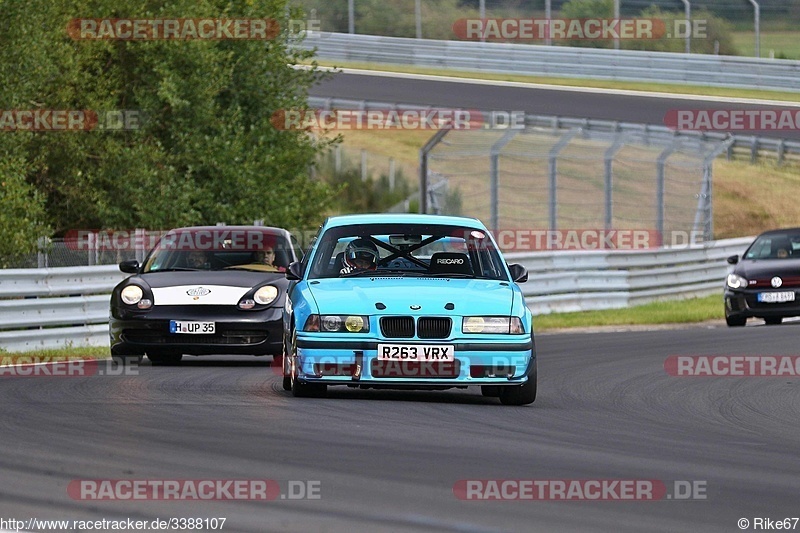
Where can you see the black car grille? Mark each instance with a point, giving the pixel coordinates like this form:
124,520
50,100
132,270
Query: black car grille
397,327
230,338
427,327
434,327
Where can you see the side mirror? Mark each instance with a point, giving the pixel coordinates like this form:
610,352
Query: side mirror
518,273
129,267
295,271
733,259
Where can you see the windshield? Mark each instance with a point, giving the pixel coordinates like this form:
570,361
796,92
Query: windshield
407,250
775,246
259,253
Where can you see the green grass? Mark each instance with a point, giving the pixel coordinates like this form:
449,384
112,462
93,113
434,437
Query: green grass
784,44
676,88
54,354
667,312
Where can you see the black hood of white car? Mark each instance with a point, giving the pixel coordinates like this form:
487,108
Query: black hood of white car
205,287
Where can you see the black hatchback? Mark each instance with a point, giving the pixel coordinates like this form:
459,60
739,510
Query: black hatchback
203,291
766,280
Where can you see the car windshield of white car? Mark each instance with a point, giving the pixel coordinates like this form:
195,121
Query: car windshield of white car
268,254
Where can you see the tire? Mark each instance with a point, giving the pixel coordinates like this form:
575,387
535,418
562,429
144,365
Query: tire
520,394
164,358
773,320
490,391
735,321
286,370
302,390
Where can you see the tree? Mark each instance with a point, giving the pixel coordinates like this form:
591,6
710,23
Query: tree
204,149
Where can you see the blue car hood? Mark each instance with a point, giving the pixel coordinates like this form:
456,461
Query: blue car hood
359,296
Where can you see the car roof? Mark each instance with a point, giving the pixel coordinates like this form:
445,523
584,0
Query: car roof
403,218
781,231
256,229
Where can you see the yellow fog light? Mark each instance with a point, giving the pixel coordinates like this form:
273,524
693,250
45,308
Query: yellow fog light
354,324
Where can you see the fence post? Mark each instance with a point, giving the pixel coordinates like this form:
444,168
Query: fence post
608,157
494,178
391,173
363,165
42,258
660,180
423,167
91,250
553,172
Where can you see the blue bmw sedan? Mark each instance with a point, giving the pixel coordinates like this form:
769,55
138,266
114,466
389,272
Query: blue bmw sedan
407,302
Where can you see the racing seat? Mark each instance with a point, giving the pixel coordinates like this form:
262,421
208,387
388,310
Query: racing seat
450,263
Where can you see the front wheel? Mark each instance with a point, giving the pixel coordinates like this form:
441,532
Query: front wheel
305,390
520,394
300,390
773,320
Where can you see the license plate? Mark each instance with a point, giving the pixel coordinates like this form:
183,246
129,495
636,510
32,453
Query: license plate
196,328
776,297
416,352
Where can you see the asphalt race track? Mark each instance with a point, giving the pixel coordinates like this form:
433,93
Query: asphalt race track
533,100
388,461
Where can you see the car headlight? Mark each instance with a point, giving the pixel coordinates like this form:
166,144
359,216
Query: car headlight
132,294
735,281
337,323
492,324
266,295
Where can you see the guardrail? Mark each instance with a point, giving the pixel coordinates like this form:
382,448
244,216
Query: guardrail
56,307
561,61
749,146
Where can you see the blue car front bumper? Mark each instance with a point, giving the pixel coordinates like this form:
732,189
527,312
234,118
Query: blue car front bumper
335,361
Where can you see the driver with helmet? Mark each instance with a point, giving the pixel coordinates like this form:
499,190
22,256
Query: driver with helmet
360,254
